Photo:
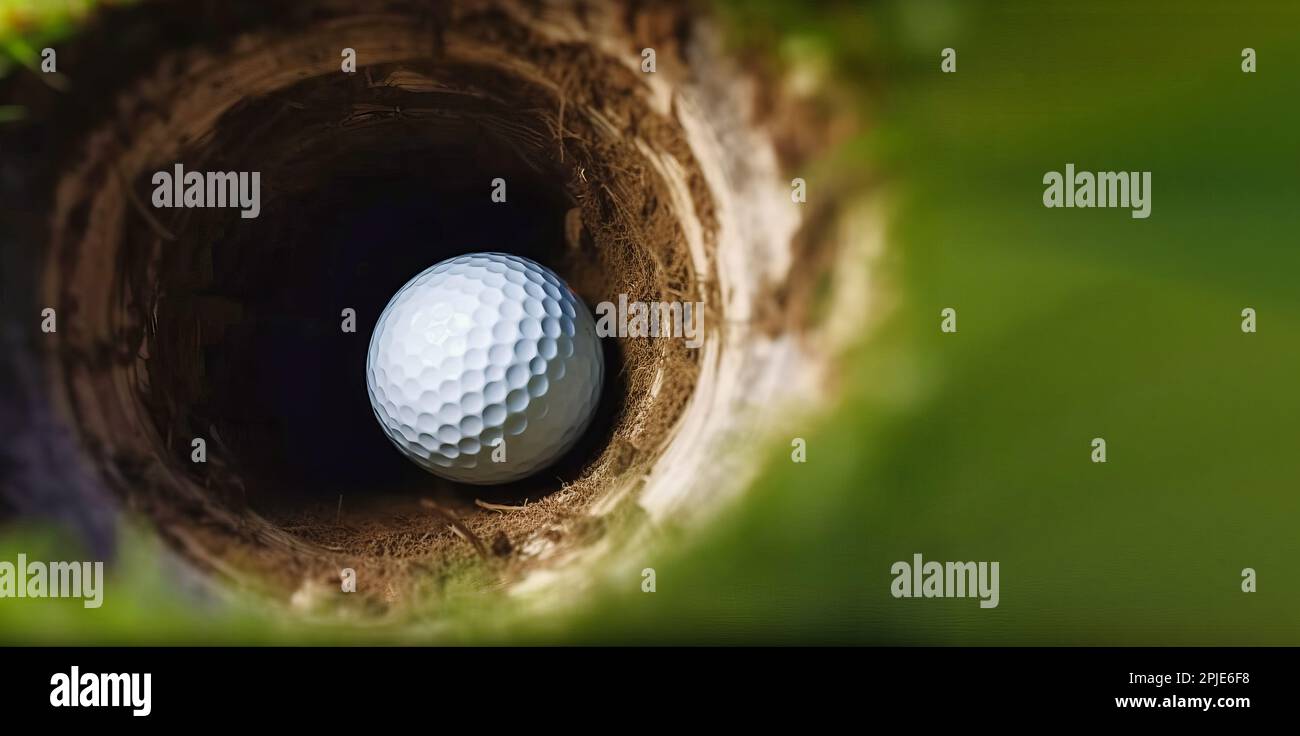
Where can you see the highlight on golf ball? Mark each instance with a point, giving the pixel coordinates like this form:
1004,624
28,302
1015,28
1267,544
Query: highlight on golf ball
484,368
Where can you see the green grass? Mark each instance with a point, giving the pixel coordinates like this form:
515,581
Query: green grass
1073,324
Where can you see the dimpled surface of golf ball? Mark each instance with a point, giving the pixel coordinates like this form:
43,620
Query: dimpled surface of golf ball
478,350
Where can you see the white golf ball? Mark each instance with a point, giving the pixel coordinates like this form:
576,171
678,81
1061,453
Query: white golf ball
484,368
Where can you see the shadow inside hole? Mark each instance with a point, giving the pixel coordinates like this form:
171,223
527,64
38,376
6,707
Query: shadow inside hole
286,387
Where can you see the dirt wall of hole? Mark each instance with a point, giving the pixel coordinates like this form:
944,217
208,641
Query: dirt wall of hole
677,193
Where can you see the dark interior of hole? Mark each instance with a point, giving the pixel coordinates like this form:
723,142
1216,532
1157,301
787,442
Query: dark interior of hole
283,386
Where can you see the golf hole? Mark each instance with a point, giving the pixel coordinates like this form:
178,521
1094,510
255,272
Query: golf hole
197,324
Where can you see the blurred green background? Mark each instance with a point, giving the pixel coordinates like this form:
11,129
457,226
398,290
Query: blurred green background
1073,324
